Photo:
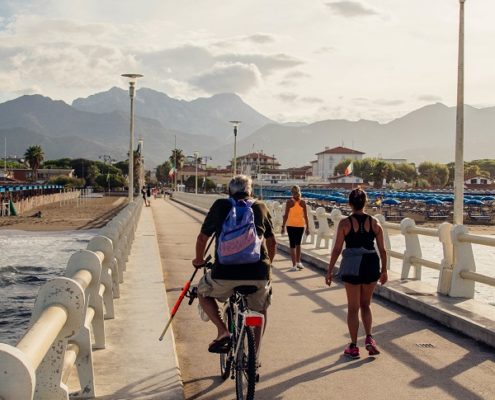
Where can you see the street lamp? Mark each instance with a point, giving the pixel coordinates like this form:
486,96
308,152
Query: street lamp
235,124
196,155
132,82
206,158
459,132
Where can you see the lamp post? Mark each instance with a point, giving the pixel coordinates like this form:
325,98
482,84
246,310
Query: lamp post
459,132
132,88
235,124
206,158
196,155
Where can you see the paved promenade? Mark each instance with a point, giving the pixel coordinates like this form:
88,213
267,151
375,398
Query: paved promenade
306,333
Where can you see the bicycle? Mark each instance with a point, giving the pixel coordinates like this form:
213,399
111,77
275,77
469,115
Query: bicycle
240,362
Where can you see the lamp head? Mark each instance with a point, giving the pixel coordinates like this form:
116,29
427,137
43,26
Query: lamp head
235,123
132,77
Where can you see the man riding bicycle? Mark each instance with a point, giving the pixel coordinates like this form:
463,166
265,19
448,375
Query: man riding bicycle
219,282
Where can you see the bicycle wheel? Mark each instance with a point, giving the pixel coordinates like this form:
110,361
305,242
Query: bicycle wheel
245,373
226,359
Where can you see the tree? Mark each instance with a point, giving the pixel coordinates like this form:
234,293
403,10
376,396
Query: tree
123,166
162,171
380,172
34,157
60,163
435,174
110,180
92,174
177,154
341,166
406,172
66,181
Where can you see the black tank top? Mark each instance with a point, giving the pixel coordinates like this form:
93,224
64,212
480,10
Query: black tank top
361,238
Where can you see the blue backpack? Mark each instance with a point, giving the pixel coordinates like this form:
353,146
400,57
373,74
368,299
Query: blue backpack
238,242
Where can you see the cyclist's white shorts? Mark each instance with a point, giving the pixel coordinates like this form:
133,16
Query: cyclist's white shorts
222,289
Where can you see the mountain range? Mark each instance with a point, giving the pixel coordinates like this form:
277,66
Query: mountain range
99,125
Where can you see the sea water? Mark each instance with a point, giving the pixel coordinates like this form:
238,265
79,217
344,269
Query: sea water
27,261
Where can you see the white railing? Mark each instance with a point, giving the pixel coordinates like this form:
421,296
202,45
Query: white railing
456,264
69,312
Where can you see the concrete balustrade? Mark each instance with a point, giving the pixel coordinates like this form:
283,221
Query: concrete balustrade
456,266
69,311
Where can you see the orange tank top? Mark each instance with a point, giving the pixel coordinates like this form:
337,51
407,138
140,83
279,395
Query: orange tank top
296,216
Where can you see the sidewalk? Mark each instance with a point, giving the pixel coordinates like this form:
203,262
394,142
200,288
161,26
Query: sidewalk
301,354
135,365
470,317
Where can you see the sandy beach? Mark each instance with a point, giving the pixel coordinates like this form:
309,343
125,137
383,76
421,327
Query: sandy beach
91,213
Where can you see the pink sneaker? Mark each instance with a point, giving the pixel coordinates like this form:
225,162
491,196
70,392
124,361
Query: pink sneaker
352,351
370,345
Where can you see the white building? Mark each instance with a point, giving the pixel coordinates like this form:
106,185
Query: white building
329,158
478,180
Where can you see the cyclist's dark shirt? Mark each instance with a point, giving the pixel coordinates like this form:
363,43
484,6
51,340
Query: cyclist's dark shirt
213,224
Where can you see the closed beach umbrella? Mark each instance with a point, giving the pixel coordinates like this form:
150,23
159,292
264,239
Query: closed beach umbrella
392,202
434,202
471,202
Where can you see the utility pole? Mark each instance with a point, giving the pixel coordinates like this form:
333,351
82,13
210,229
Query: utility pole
459,134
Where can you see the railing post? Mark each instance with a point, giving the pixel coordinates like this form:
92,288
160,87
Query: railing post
445,277
104,244
66,293
413,249
386,237
335,216
17,375
463,261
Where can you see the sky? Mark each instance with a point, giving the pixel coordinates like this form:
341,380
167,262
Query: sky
291,60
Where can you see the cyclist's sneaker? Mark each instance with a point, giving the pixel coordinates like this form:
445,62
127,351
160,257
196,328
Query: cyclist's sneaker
370,344
294,268
352,351
299,265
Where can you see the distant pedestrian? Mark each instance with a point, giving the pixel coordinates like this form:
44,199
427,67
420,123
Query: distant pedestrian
296,220
143,193
148,195
359,268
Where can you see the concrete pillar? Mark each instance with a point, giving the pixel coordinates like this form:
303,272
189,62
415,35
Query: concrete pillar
413,249
463,261
445,277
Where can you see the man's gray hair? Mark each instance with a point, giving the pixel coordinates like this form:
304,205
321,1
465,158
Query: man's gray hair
240,184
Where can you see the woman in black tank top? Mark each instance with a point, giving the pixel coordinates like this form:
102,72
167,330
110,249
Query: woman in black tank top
360,232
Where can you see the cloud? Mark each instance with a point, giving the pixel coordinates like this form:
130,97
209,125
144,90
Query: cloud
287,97
311,100
297,74
430,97
290,97
261,38
181,62
384,102
363,101
265,63
324,50
350,9
228,77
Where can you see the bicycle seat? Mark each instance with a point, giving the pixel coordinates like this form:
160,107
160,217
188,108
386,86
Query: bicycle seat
246,289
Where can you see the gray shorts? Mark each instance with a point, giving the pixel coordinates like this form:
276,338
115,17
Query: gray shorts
222,289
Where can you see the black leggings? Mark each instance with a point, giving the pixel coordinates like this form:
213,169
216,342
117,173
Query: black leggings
295,236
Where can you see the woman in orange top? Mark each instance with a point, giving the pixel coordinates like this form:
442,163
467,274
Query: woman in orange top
296,220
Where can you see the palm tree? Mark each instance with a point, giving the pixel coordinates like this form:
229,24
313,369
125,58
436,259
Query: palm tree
177,156
34,156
